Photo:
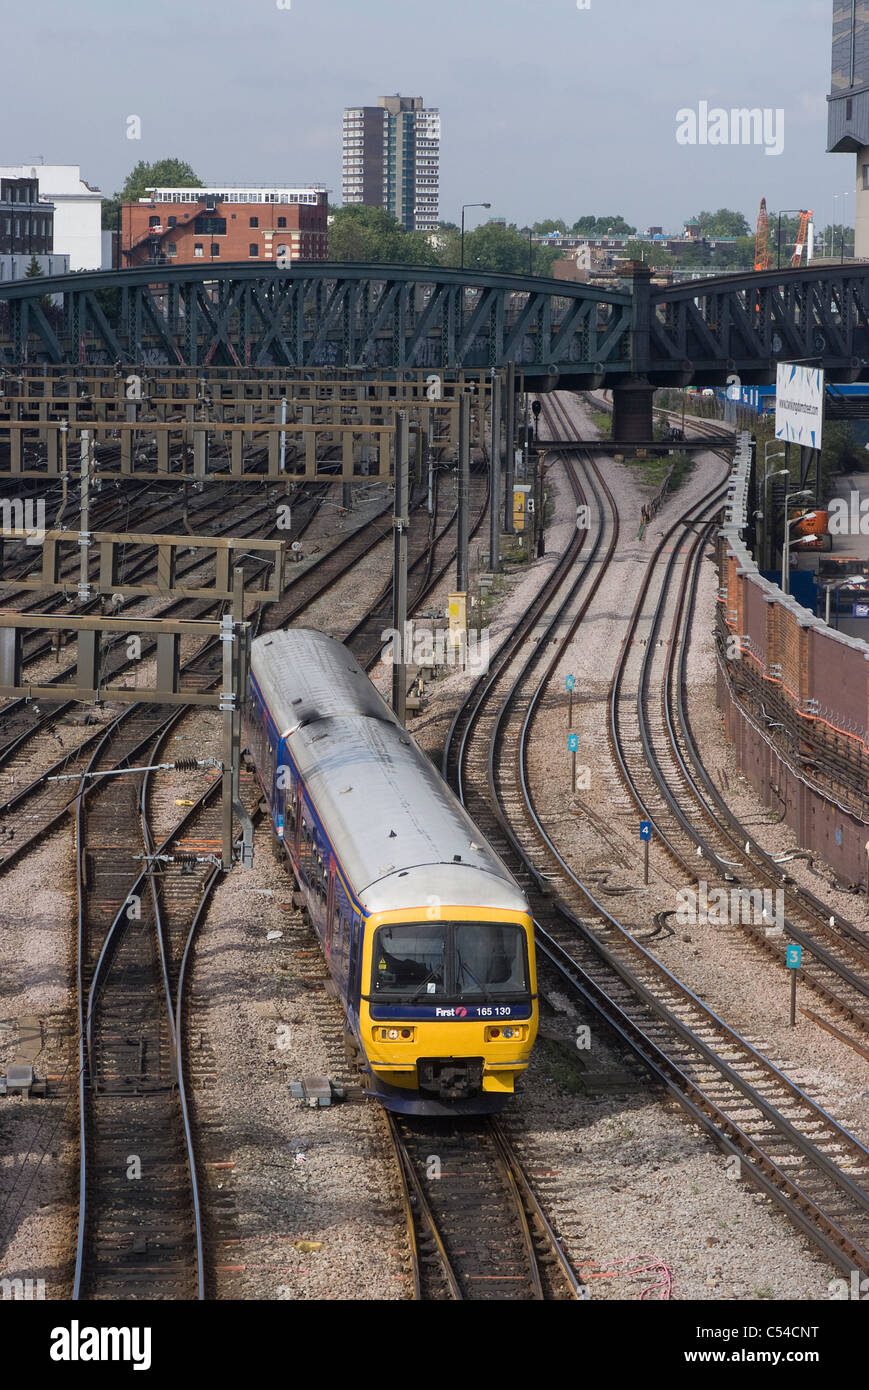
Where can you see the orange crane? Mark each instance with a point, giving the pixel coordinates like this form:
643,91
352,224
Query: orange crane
802,236
761,239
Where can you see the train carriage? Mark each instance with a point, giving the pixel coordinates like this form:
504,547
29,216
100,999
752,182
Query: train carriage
426,933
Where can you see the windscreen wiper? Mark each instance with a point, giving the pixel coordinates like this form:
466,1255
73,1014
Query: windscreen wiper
429,976
482,988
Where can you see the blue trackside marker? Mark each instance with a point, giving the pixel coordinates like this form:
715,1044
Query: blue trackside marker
645,830
572,743
570,682
794,957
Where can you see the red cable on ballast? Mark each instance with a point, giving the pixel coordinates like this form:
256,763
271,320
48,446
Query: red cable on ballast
663,1286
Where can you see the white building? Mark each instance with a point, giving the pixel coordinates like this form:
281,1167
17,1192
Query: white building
391,159
77,210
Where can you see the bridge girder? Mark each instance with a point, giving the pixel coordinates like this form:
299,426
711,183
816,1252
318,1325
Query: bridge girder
745,325
341,315
411,317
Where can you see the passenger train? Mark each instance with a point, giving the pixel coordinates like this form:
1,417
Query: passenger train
426,934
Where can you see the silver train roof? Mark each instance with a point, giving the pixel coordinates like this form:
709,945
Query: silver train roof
401,834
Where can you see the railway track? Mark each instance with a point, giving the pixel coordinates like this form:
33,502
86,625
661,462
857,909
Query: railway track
475,1227
785,1143
139,565
431,550
140,1233
662,769
133,969
31,733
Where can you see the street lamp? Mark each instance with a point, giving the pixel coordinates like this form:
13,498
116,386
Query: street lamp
847,194
469,205
763,474
786,548
766,513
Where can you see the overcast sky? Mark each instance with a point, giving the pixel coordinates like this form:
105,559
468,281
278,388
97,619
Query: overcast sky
546,109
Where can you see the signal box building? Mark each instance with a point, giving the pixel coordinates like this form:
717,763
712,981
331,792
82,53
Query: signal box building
183,226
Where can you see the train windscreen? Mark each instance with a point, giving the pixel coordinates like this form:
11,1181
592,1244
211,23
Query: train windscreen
450,961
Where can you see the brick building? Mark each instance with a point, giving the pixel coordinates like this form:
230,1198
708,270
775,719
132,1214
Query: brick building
181,226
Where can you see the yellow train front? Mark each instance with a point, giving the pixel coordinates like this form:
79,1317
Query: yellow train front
426,933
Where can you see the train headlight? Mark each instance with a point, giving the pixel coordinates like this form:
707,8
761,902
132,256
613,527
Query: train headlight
393,1034
513,1032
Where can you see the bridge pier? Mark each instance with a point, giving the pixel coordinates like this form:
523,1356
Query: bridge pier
632,412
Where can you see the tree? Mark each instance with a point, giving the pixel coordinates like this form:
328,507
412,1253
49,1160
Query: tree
500,249
35,272
828,243
613,226
549,225
163,173
656,256
497,248
724,223
374,237
602,226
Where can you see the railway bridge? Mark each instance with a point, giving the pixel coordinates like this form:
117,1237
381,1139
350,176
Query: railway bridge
631,338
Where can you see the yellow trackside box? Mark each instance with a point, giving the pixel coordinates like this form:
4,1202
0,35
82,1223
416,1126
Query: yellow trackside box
520,499
458,615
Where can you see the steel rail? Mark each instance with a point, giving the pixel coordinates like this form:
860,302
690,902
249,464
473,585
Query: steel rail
835,1243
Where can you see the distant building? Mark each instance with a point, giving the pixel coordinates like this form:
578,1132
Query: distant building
26,231
575,268
391,160
848,111
77,210
182,226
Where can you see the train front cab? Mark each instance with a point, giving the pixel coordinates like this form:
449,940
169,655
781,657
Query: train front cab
448,1008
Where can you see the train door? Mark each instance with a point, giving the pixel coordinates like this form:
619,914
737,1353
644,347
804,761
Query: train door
297,818
290,811
354,927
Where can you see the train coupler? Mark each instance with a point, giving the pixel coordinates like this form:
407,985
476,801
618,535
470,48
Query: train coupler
451,1078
